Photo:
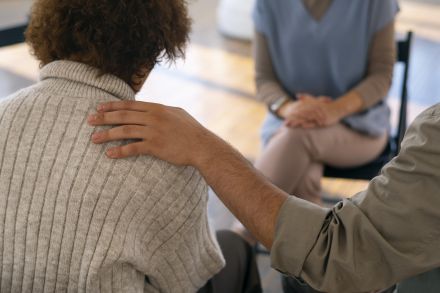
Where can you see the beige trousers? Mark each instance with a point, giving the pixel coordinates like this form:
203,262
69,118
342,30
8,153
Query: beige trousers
294,157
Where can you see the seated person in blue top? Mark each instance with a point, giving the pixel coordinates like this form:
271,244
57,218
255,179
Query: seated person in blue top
324,68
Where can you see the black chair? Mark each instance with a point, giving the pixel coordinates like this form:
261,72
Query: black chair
13,35
372,169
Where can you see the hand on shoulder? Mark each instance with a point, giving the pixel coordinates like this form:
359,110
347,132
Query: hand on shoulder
168,133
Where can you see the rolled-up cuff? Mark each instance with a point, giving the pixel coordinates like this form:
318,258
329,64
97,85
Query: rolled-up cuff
298,226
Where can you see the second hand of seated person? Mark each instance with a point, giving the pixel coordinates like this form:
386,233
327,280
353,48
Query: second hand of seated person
312,112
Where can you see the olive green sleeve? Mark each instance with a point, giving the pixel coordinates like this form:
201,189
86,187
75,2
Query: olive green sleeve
382,235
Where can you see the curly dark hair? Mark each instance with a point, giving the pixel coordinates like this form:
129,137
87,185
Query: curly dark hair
120,37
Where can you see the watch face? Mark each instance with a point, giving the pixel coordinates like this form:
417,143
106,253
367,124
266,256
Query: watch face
277,104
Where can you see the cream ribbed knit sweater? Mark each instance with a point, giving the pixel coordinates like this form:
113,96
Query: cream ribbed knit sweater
72,220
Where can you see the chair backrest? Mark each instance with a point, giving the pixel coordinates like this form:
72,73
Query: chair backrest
403,56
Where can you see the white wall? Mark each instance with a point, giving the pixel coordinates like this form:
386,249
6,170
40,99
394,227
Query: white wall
13,13
235,18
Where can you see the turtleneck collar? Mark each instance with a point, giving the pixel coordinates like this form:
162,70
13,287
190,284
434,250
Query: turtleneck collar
75,73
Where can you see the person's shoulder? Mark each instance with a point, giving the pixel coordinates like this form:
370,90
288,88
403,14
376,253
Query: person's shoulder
429,122
435,110
21,101
432,112
382,12
184,179
20,95
424,131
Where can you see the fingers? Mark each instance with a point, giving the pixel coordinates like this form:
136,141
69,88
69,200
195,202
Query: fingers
121,133
118,118
127,105
129,150
295,121
325,99
304,97
309,118
315,115
302,124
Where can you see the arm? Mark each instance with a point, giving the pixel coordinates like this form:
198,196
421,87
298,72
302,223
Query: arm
269,88
382,235
245,192
382,57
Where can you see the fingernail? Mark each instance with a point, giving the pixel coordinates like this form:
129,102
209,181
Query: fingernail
100,108
92,118
96,137
111,153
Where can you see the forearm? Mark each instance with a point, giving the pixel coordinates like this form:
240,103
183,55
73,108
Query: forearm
382,56
347,105
246,193
373,89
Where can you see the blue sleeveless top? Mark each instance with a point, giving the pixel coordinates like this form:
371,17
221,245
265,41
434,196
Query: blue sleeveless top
326,57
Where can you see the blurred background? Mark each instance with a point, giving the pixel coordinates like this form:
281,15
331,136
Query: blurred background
215,82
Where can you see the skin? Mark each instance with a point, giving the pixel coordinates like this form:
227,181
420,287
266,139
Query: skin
312,112
173,135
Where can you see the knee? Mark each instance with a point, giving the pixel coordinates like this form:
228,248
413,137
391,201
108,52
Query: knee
298,137
295,134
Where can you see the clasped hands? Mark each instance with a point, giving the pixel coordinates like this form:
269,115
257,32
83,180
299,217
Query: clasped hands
310,112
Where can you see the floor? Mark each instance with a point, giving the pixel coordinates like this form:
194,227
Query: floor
215,84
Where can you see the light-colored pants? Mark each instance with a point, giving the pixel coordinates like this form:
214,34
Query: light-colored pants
293,158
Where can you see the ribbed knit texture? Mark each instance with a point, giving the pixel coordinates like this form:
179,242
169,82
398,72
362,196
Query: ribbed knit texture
72,220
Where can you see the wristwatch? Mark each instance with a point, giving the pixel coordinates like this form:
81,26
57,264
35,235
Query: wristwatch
275,106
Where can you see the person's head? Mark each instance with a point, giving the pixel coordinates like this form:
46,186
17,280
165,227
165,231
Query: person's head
119,37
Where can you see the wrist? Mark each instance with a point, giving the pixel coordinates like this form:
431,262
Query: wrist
335,110
282,111
347,105
277,106
206,150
